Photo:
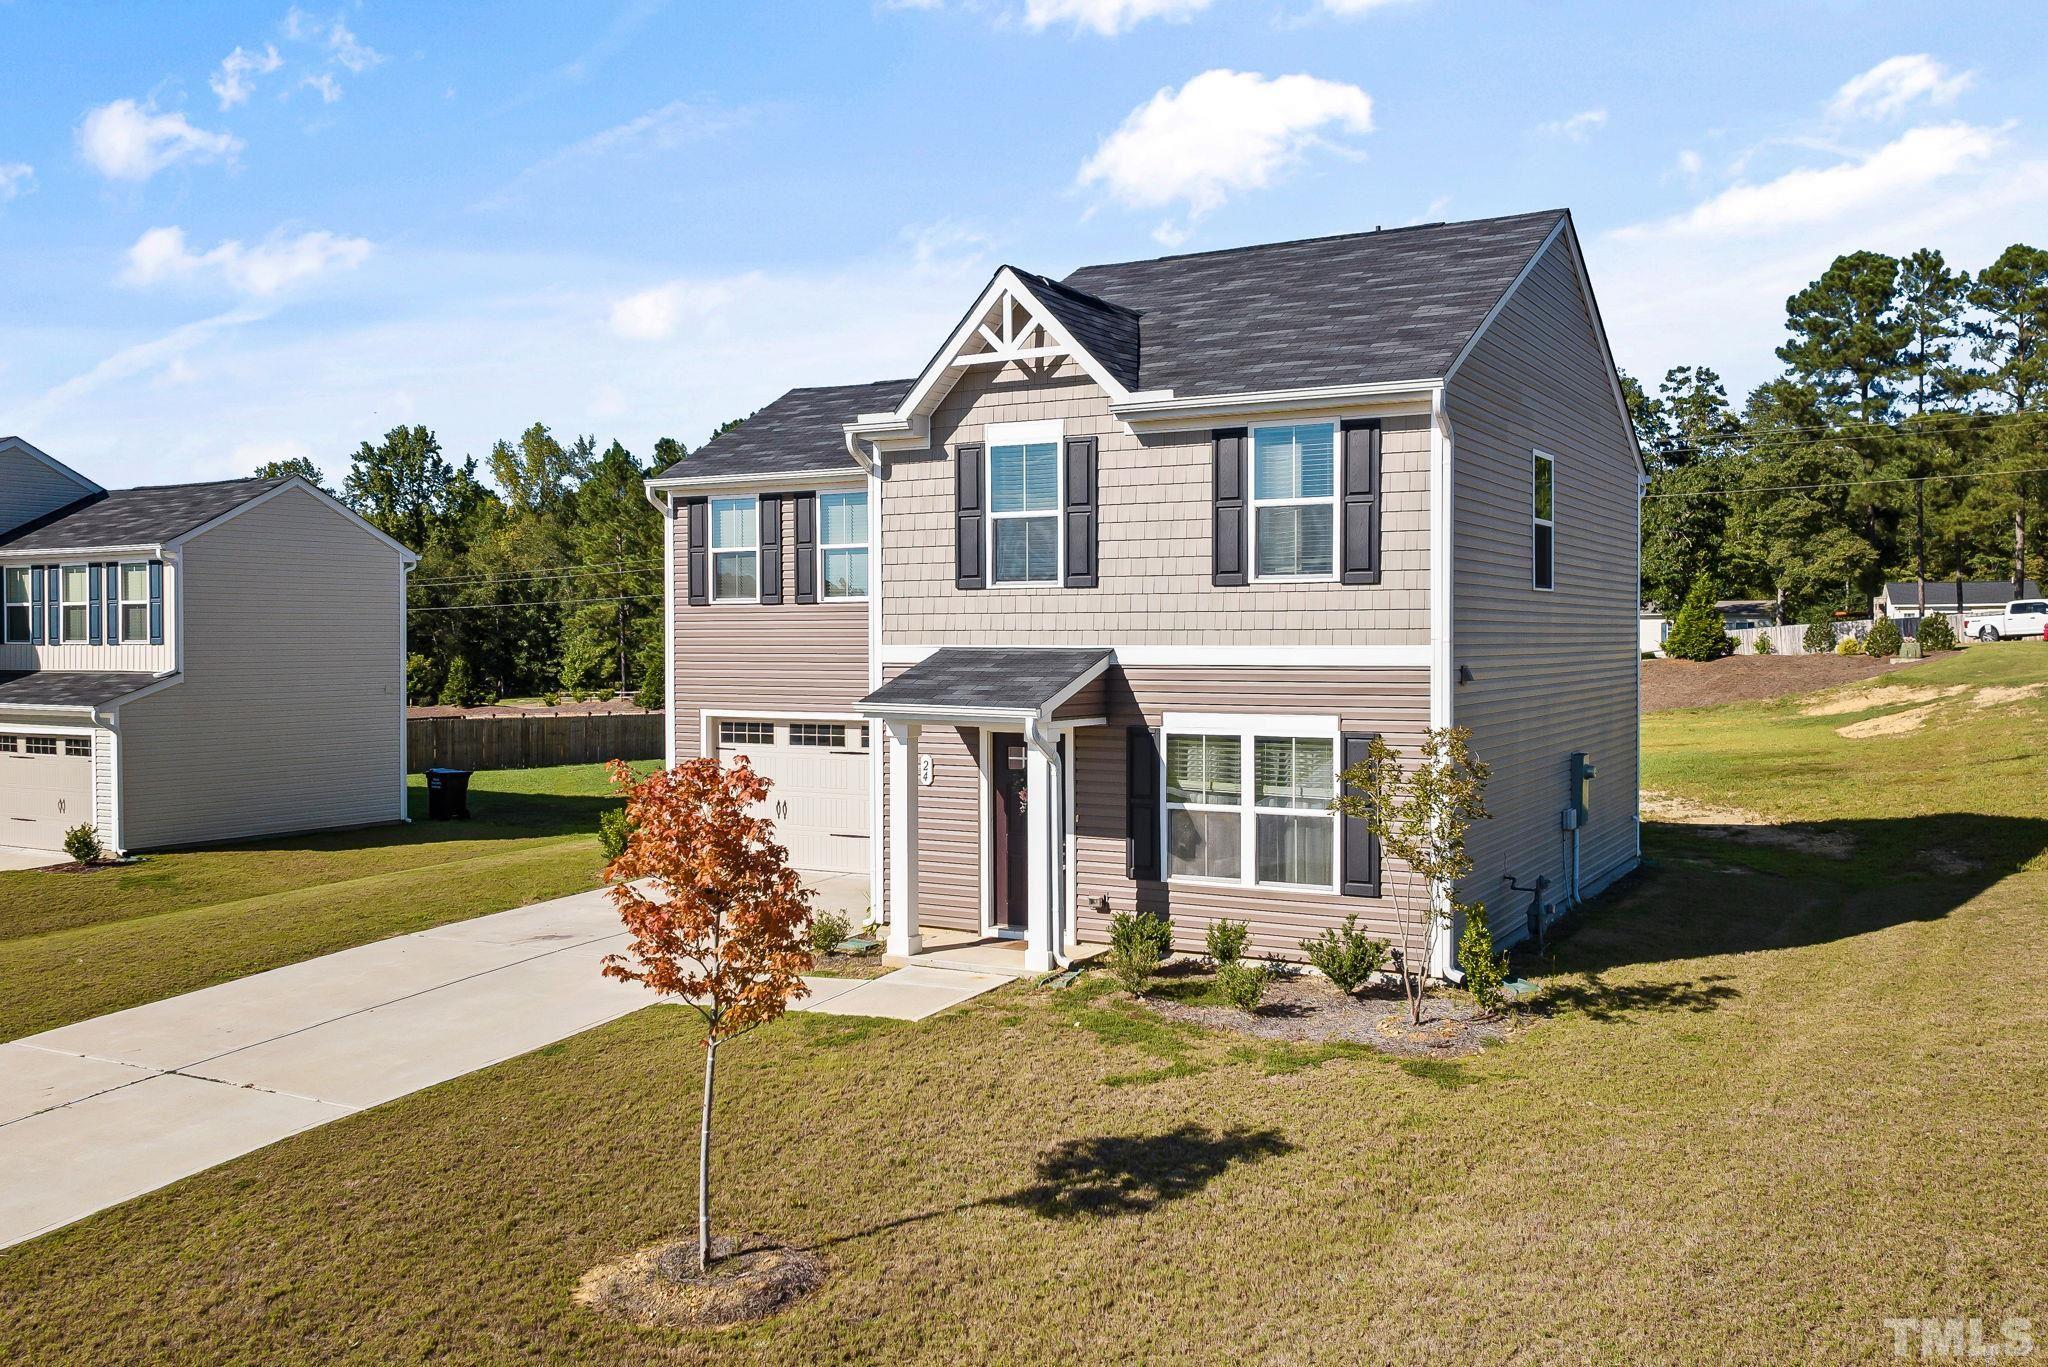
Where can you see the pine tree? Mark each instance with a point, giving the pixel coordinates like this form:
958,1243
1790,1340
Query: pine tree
1848,341
1696,633
616,544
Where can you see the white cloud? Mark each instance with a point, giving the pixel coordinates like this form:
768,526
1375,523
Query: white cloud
15,177
1914,161
1577,128
329,89
1690,164
354,55
1222,133
129,141
1106,17
161,254
652,315
658,130
234,82
1352,9
1896,83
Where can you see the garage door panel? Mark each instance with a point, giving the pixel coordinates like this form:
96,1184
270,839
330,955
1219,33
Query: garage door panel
818,800
42,795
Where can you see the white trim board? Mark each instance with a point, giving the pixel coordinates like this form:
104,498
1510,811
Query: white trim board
1228,657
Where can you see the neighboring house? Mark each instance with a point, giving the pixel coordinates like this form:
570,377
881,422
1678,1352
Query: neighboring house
1651,629
1740,614
194,662
1966,599
1085,616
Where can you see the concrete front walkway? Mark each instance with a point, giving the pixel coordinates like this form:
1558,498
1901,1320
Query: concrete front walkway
95,1113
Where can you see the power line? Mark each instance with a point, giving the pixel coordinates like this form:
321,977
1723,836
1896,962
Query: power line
1852,483
1837,434
545,572
541,603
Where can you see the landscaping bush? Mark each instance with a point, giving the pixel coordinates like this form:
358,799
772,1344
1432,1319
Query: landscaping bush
1763,646
422,680
1243,985
1140,935
614,829
460,688
1848,645
1227,941
550,698
1131,968
653,689
1884,638
1346,955
1936,633
1696,633
1485,968
828,930
82,843
1820,632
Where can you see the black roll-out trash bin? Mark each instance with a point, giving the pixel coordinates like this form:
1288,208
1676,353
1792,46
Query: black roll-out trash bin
447,794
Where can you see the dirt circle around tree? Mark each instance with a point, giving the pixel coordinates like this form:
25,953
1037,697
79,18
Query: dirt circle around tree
659,1287
1308,1009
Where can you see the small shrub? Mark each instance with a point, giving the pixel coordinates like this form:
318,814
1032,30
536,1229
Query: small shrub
1884,638
1132,969
1936,633
550,698
1763,646
1848,645
614,831
1485,968
1346,955
828,930
82,843
1820,633
460,688
652,692
1140,935
1227,941
1697,633
1243,985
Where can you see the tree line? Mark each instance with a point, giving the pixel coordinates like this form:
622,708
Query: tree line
1904,439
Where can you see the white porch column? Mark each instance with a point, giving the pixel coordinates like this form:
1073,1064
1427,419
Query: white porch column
1040,802
902,755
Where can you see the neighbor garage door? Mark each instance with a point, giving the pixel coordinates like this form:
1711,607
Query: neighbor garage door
819,797
45,788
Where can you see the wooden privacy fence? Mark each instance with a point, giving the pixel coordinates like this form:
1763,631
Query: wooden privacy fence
530,742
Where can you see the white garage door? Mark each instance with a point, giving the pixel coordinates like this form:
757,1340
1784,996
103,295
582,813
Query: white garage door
819,797
45,788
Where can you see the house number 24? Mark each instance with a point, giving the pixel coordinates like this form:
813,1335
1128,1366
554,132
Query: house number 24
925,771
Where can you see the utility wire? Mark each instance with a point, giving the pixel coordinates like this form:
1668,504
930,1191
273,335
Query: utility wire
1853,483
541,603
545,572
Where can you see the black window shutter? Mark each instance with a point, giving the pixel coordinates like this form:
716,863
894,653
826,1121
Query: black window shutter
968,516
1361,850
35,611
1227,541
1141,803
1080,513
92,583
1361,495
771,548
112,573
156,600
697,533
806,548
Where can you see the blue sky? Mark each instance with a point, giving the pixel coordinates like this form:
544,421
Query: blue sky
241,231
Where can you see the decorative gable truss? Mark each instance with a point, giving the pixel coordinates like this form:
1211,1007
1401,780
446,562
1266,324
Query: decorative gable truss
1013,328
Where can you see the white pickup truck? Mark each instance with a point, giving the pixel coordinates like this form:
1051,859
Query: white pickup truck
2022,617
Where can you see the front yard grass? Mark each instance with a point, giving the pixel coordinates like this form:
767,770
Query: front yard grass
74,946
1773,1100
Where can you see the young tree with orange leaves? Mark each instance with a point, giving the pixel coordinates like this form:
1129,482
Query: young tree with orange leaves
724,923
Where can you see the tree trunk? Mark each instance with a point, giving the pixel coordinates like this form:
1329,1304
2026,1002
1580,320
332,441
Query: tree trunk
704,1160
1920,540
2019,549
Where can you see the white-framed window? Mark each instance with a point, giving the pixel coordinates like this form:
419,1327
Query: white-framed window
1024,479
735,550
1294,501
746,733
843,543
1248,800
18,626
831,734
8,745
41,745
1543,521
76,587
135,601
77,747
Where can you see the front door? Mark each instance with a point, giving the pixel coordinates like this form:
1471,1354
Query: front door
1009,869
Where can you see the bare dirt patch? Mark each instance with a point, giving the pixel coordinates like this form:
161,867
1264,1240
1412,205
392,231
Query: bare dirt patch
1305,1009
1890,695
1741,827
1669,684
1890,724
660,1287
1995,695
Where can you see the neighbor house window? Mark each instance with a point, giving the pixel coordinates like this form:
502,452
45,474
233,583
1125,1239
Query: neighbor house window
1246,805
1545,528
135,601
746,733
1023,505
1294,501
735,553
843,544
18,627
1205,806
832,734
77,586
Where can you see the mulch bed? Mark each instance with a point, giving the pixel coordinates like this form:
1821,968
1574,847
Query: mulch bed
660,1287
1308,1009
1669,684
96,866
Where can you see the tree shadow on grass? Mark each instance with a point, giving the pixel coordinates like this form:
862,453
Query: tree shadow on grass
1600,1000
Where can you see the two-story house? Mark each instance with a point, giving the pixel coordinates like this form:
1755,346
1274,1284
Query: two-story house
1090,613
195,662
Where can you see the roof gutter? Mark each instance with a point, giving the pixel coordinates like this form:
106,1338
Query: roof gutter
778,479
1157,412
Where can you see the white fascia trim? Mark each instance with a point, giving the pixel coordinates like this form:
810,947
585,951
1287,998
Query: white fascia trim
295,482
1036,432
1442,569
404,708
1080,681
850,475
668,627
1249,723
941,716
77,553
50,710
1149,413
1231,657
35,453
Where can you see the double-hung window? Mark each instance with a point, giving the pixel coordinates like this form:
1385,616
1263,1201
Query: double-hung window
1543,532
1248,801
735,550
843,544
1023,506
1294,501
135,601
1205,806
18,625
77,588
1293,781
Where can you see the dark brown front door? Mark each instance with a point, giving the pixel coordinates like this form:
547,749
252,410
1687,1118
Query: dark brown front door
1006,792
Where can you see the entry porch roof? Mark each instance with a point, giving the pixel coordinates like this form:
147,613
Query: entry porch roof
982,683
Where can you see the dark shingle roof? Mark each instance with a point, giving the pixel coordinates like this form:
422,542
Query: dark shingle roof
1109,332
1941,593
1392,305
796,433
134,517
64,688
1018,679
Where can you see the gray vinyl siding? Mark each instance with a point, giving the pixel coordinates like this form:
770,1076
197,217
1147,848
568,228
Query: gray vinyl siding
29,488
288,715
1552,672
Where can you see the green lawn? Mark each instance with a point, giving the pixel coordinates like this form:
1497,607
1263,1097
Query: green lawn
1775,1099
77,945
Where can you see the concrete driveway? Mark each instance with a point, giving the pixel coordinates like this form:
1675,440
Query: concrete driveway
95,1113
13,857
